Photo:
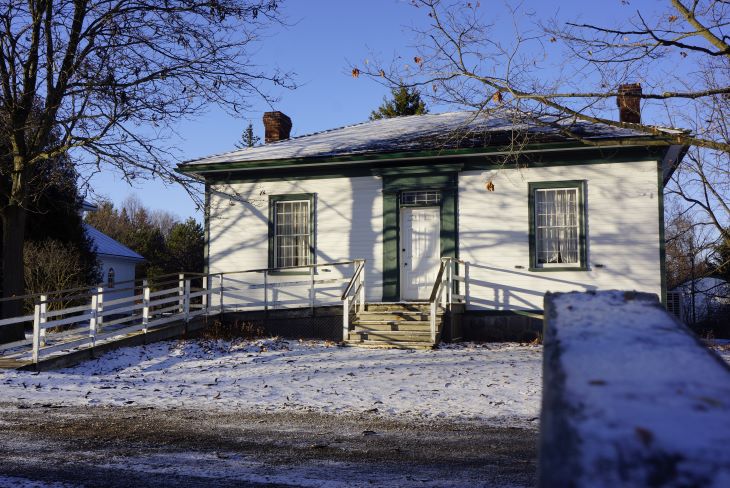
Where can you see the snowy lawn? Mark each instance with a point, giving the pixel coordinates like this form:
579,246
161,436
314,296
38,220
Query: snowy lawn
500,383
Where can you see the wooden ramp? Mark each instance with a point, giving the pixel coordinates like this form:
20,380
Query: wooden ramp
63,358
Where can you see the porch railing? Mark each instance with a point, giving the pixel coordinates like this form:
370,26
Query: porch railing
353,297
447,289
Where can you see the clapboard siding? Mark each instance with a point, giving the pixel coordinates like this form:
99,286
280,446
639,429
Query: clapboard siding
348,225
623,233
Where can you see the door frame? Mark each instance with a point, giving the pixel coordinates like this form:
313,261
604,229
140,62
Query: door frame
443,179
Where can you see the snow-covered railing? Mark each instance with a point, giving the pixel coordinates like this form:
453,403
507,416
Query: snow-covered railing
353,296
631,397
447,287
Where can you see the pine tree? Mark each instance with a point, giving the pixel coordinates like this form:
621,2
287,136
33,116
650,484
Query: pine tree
248,138
405,101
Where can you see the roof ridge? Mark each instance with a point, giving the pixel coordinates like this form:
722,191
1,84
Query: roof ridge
324,131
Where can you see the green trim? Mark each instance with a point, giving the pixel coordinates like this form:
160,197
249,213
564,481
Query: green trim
582,157
273,200
419,169
446,183
268,164
582,223
662,237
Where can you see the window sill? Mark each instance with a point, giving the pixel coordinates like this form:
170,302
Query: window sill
559,268
284,272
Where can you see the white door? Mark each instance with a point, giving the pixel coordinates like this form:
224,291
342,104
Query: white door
420,251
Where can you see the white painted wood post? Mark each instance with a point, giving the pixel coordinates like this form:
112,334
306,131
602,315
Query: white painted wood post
100,307
432,321
444,294
186,301
311,289
266,294
204,298
145,305
220,293
92,320
362,286
466,283
346,318
43,319
181,292
36,332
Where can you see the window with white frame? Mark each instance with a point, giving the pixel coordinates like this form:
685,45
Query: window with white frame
557,225
420,198
292,233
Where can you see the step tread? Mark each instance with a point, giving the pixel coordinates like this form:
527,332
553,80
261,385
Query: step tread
392,344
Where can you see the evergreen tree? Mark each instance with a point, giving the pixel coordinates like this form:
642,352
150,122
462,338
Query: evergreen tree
185,247
405,101
248,138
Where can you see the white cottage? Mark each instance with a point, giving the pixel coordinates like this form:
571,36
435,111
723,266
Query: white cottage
523,209
117,261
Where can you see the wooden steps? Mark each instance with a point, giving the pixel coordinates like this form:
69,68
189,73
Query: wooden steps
395,325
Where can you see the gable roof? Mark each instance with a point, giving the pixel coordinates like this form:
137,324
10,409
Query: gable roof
106,246
430,132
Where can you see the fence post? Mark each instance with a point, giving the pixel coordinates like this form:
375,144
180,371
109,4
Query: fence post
181,292
345,318
186,301
362,285
204,298
100,307
145,305
466,283
36,332
432,319
220,282
43,319
266,295
311,290
93,318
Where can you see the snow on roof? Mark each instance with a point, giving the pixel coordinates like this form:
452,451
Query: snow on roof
450,130
88,206
107,246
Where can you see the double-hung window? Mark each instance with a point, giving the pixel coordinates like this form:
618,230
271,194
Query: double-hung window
557,225
291,236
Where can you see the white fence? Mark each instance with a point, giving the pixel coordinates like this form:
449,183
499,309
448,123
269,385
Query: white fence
71,319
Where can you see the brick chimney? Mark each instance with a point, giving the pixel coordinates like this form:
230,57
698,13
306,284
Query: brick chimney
629,103
277,126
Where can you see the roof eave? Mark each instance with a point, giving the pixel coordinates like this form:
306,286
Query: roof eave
199,169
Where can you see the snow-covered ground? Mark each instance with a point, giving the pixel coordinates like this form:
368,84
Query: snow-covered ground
500,383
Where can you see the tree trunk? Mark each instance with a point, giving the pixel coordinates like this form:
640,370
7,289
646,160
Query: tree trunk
13,218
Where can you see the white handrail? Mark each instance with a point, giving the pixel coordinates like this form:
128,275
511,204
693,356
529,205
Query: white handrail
350,300
443,289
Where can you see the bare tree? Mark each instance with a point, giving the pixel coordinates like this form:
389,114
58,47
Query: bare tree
110,76
555,72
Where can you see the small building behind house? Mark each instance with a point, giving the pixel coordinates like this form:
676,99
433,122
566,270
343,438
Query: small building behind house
117,262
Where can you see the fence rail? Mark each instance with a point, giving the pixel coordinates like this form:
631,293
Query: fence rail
101,318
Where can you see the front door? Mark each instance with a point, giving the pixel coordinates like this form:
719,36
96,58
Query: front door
420,251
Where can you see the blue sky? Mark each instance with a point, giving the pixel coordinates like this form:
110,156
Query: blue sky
324,37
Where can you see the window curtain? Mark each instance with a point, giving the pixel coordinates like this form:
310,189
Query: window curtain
557,226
